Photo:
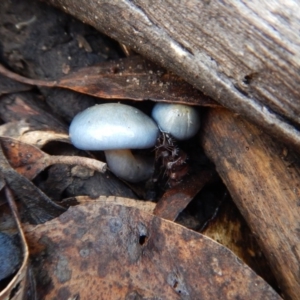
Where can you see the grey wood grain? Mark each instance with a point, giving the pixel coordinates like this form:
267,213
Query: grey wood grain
244,54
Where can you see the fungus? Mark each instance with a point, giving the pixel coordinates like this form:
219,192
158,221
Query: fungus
181,121
116,128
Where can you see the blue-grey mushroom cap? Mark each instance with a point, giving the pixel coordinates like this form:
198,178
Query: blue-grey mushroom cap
113,126
179,120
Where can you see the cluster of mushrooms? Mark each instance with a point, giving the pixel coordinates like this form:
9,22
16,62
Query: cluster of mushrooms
117,128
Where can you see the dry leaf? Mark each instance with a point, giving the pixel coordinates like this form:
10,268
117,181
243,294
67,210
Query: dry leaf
25,132
29,160
176,199
39,207
104,251
11,86
29,107
132,78
27,120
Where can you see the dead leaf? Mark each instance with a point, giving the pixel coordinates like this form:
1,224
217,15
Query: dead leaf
26,132
8,85
28,107
132,78
39,208
30,122
29,160
176,199
104,251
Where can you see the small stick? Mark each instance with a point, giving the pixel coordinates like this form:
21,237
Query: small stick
25,23
78,160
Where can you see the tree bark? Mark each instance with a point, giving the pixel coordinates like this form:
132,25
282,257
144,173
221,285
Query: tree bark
246,55
263,178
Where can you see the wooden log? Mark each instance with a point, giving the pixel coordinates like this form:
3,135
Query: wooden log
246,55
263,178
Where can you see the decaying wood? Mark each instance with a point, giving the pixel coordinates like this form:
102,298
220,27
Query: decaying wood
243,54
263,178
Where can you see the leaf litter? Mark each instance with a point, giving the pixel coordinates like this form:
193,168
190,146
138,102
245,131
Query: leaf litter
109,251
132,78
95,237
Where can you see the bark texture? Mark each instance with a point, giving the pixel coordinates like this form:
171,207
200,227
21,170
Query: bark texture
244,54
263,178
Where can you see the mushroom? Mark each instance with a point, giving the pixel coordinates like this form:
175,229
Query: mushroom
181,121
116,128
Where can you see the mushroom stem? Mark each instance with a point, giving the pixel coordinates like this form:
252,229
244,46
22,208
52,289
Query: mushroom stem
132,168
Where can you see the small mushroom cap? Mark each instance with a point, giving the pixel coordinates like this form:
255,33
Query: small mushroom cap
113,126
181,121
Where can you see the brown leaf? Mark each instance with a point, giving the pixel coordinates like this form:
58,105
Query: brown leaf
28,107
24,105
39,208
109,251
11,86
29,121
176,199
132,78
29,160
27,132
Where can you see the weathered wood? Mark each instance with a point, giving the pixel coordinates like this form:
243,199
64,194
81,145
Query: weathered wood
263,178
246,55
